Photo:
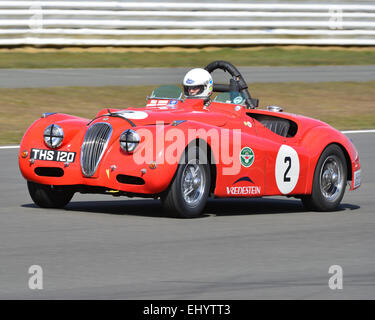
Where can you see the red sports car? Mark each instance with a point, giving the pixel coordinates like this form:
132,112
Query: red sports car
185,150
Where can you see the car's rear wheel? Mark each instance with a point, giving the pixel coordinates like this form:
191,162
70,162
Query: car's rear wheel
329,182
46,196
188,193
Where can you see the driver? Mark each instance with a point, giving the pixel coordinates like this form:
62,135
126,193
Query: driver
198,84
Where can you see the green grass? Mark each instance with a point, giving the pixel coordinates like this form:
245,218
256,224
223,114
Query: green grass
345,105
263,56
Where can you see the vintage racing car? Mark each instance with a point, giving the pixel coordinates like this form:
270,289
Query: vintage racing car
185,150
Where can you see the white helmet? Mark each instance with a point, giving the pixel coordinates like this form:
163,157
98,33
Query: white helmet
198,84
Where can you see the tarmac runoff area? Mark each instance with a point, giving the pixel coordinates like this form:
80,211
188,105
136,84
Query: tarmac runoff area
40,78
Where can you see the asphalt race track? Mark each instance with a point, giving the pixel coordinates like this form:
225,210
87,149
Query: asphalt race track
35,78
102,247
108,248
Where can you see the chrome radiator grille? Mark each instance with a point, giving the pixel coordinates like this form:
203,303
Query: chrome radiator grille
94,145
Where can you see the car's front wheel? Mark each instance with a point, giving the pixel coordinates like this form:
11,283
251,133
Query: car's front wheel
329,182
187,195
46,196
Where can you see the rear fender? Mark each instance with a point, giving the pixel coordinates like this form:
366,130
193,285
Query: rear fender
316,140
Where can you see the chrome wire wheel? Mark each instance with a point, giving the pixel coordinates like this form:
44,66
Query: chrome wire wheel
187,195
193,183
332,178
329,181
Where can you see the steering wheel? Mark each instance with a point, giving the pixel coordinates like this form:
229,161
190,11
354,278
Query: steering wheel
237,82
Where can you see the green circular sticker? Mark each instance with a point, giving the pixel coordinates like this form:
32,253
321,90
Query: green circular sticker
237,100
247,157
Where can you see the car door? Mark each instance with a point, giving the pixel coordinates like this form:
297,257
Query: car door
246,177
285,160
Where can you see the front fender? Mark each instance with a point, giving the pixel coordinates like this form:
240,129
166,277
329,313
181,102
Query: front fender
71,126
164,145
33,138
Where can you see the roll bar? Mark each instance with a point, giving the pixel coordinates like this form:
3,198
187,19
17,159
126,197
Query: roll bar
237,83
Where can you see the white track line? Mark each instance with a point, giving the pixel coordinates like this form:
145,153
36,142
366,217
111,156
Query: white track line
359,131
9,147
347,131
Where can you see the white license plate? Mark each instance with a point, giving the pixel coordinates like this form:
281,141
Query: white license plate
357,179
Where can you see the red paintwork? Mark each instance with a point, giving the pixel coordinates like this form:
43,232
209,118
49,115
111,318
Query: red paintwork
312,138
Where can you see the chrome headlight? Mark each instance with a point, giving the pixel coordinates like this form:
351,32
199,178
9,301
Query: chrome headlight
53,136
129,140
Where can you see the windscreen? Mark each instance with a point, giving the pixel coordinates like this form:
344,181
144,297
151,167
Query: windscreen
167,92
233,97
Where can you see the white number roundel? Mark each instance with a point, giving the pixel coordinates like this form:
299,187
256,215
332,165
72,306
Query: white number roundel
133,114
286,169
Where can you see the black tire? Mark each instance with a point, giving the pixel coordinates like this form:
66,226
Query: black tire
174,202
326,196
46,196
